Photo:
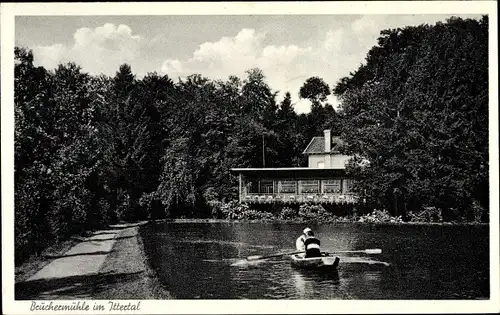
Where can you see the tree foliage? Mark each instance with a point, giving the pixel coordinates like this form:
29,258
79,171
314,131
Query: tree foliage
323,115
315,89
418,112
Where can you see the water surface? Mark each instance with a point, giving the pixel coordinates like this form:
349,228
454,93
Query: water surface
204,260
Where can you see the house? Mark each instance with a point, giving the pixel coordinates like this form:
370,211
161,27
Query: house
323,181
323,152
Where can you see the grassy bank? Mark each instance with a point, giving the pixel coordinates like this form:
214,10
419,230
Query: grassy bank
128,258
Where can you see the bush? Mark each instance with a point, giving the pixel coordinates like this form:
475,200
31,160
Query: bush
252,214
379,216
231,210
288,214
235,211
146,201
477,211
215,209
103,211
320,214
214,204
308,211
428,214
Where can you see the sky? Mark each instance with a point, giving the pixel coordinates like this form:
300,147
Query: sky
287,48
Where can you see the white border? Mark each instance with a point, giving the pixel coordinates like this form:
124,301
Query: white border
9,11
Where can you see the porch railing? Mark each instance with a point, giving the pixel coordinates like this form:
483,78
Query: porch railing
299,198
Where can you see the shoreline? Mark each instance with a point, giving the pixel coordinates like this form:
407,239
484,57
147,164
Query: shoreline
314,222
129,258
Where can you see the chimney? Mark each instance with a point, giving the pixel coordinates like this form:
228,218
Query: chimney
328,140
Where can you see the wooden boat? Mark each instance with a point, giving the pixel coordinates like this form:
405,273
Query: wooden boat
324,263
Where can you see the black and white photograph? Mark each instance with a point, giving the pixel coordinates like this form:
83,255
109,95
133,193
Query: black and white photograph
267,157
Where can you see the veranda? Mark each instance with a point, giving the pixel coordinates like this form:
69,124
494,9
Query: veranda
294,185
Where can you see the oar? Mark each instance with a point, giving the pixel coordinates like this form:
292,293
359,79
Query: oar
271,256
370,251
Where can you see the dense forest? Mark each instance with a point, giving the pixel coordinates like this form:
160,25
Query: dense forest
90,150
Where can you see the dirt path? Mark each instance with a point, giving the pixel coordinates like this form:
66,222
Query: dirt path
110,264
84,258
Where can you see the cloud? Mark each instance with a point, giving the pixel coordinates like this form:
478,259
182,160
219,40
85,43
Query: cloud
285,66
228,55
99,50
172,66
339,52
242,46
332,39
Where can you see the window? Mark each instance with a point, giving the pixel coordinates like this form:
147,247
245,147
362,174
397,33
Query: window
348,183
266,187
321,164
287,186
309,186
252,186
332,186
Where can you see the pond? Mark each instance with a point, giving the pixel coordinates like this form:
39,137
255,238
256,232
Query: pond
207,261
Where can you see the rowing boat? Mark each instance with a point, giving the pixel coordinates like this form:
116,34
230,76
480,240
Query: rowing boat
316,263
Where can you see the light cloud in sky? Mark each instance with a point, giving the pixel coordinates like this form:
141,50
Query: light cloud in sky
286,67
330,53
98,50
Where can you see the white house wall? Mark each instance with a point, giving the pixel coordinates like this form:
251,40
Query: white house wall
339,160
315,159
333,161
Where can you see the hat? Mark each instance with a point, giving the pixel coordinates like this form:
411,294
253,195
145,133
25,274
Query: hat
306,230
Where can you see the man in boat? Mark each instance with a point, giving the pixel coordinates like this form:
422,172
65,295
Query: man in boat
308,243
300,241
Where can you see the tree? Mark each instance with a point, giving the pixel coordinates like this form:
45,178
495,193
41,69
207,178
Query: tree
129,129
331,119
33,141
413,112
316,91
257,97
286,130
259,110
78,152
58,152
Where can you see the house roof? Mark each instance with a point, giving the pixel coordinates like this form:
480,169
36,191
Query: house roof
317,145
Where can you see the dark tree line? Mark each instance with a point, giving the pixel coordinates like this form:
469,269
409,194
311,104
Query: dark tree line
90,150
417,110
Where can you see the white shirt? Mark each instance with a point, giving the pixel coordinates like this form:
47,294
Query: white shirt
300,243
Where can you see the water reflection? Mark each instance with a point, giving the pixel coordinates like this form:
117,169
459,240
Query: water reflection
310,282
300,285
207,261
222,243
363,260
